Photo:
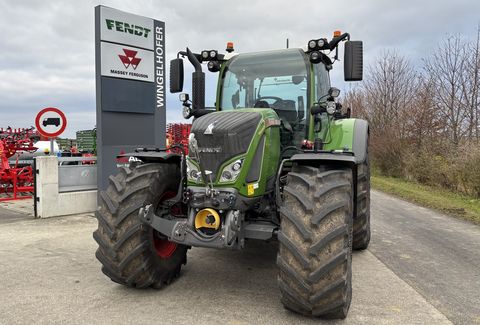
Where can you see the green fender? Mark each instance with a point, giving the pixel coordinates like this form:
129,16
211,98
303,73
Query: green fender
346,141
348,145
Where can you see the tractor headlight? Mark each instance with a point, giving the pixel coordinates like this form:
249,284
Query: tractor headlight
183,97
205,55
321,42
193,171
315,57
231,171
213,66
312,44
187,111
331,107
236,166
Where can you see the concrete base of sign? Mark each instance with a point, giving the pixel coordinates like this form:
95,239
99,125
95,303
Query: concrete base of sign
50,202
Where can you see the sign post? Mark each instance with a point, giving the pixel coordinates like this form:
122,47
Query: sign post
130,86
50,123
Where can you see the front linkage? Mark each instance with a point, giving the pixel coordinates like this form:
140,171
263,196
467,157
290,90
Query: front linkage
180,230
231,232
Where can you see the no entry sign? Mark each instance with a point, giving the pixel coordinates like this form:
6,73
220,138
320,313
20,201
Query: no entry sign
50,122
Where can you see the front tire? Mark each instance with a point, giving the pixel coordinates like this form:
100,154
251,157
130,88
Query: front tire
315,252
132,253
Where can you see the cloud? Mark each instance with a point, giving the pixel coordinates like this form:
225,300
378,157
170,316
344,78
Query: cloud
47,56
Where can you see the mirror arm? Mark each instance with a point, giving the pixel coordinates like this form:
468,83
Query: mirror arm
194,61
198,82
334,42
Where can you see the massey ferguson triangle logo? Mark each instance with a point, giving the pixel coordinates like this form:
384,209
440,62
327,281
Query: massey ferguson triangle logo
130,59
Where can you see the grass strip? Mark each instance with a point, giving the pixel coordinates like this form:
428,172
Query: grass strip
454,204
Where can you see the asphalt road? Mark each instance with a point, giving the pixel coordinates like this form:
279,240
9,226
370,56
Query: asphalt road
422,268
437,255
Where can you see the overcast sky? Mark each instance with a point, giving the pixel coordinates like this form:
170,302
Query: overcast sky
47,47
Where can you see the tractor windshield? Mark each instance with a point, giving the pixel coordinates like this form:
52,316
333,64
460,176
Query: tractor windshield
271,79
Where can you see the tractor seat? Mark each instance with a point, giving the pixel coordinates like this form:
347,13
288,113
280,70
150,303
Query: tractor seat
286,110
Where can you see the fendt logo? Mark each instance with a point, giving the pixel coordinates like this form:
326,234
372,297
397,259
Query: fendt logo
122,27
129,59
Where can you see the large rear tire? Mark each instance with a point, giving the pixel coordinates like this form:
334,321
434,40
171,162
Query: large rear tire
131,252
315,252
361,222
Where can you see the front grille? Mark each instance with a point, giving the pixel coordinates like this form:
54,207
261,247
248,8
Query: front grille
231,135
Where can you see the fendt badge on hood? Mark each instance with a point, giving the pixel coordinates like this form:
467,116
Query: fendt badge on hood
209,129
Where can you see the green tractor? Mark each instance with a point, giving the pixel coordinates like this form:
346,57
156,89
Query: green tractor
277,158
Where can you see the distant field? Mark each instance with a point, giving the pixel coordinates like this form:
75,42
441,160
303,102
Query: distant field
454,204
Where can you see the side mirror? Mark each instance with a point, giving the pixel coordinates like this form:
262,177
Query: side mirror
353,61
176,75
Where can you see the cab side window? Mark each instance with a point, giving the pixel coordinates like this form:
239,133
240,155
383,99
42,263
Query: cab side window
322,81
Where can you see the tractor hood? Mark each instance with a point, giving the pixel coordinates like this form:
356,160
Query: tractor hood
239,149
224,135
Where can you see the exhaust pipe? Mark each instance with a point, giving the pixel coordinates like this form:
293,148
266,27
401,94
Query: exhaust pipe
198,82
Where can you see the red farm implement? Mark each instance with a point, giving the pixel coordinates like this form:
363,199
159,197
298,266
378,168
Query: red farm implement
15,182
177,134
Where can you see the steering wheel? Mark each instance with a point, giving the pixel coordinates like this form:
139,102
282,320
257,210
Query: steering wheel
276,99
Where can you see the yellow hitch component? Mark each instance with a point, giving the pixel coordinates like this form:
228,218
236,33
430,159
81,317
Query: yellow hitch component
207,218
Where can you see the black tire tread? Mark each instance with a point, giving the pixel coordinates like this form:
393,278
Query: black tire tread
125,245
314,257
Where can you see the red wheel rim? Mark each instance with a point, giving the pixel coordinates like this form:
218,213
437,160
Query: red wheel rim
163,247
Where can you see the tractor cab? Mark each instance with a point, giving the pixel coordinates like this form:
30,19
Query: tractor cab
294,83
279,80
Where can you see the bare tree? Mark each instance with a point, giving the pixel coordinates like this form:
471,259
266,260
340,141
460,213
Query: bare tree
389,92
472,87
421,121
446,69
355,100
424,124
